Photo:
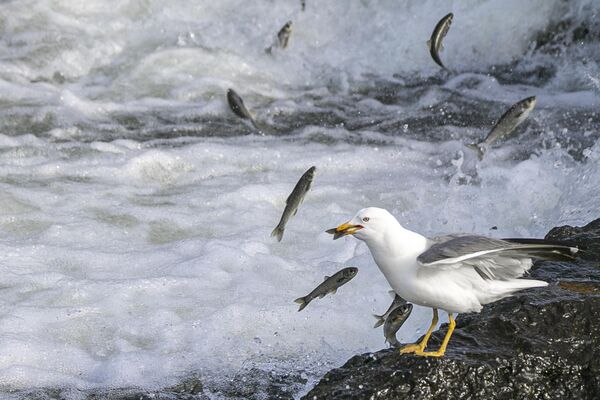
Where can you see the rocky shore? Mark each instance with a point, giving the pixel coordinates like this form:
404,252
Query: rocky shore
538,344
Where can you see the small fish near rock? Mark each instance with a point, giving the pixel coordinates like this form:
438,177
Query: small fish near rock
397,302
394,322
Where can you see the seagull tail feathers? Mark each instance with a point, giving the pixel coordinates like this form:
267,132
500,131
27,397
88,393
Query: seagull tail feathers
518,284
546,249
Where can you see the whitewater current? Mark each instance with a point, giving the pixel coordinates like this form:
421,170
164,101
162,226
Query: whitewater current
136,208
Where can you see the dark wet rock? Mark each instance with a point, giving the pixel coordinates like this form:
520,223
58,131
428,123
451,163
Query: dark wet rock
538,344
587,237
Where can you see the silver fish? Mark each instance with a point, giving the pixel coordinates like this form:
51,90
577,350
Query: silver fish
329,285
394,321
507,123
284,34
294,200
237,106
398,301
435,43
283,37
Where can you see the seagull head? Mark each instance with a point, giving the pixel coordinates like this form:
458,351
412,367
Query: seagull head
369,223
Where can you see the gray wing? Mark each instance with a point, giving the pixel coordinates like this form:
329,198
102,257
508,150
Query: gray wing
492,258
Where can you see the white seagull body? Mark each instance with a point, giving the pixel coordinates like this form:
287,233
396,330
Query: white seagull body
456,273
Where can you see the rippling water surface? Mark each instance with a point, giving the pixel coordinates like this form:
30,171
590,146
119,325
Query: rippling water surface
136,209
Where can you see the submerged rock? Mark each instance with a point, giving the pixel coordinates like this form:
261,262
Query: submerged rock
542,343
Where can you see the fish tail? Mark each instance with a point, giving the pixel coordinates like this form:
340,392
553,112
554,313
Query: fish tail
263,129
303,301
278,232
255,124
479,148
379,319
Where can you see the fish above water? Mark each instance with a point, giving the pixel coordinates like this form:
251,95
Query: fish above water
398,301
507,123
435,43
329,285
237,106
394,322
283,37
294,200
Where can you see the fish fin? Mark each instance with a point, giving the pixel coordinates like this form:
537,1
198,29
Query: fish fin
322,295
334,291
429,44
441,47
302,301
278,233
392,293
269,50
295,211
479,148
379,322
326,277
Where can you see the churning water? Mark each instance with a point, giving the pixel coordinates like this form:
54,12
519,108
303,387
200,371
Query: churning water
135,208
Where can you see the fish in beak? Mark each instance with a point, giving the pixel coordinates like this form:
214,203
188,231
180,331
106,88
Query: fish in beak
343,230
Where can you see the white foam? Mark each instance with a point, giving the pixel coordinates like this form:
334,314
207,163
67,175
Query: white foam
113,54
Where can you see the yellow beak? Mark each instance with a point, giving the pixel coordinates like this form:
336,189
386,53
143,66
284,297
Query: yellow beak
343,230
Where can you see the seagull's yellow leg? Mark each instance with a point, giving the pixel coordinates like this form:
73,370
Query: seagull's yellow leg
442,348
419,347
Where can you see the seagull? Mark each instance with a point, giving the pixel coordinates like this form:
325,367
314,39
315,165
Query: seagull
455,273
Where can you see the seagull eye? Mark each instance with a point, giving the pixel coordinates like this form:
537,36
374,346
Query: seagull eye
366,219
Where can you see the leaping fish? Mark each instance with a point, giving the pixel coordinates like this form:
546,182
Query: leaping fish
507,123
283,37
435,43
237,106
294,200
329,285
